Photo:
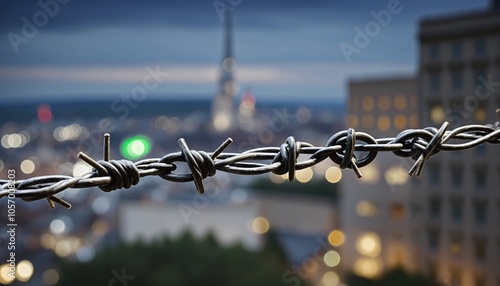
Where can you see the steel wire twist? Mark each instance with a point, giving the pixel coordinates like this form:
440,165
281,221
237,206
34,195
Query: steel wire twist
348,149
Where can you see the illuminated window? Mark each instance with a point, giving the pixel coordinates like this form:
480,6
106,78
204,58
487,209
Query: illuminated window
368,103
370,173
383,123
400,102
396,175
437,114
400,121
456,245
369,244
384,103
480,115
397,211
366,209
456,49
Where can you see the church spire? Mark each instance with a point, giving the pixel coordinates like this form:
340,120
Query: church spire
222,107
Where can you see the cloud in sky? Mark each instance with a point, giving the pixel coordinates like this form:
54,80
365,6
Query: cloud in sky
284,47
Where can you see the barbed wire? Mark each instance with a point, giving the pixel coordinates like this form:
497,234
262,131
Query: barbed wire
348,149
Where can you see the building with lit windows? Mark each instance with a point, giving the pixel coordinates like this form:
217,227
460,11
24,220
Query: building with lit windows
375,208
458,82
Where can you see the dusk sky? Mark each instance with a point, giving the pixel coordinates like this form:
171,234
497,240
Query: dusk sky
285,48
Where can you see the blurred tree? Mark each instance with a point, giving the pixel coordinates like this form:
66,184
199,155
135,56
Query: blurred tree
182,261
394,277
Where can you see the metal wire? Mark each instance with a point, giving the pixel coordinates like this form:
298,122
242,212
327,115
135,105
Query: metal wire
348,149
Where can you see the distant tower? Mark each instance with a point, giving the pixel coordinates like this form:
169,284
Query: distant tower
222,117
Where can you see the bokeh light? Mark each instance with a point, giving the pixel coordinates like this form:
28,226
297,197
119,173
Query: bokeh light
330,278
369,244
336,237
304,175
333,174
24,270
6,274
50,277
367,267
135,147
331,258
260,225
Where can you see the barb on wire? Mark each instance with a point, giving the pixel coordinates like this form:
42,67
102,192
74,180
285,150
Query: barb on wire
348,148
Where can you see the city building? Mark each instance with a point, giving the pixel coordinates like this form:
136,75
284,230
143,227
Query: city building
375,209
222,117
458,82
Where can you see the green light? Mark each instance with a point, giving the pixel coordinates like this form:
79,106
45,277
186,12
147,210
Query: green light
135,147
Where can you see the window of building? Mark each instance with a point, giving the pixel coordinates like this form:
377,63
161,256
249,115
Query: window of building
383,123
400,121
480,247
384,103
480,150
479,77
434,51
456,177
368,103
434,208
434,82
434,172
456,49
397,211
400,102
366,209
457,210
480,212
456,244
433,239
480,178
456,80
480,115
480,47
437,114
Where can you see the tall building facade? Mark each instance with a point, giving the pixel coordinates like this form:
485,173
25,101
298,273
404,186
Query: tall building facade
459,82
375,208
222,117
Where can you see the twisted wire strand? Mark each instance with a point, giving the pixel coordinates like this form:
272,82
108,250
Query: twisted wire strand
348,149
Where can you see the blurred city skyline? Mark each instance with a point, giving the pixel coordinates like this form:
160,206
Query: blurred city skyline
285,50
